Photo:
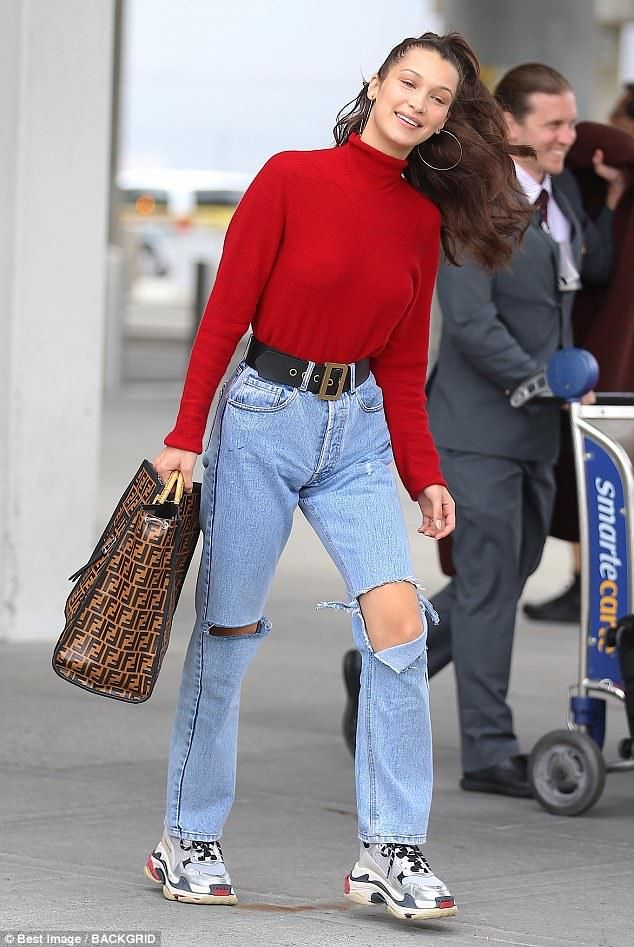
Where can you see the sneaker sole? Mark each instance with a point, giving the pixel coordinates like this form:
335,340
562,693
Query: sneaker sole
157,875
368,892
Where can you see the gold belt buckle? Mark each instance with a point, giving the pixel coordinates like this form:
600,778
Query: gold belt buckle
326,381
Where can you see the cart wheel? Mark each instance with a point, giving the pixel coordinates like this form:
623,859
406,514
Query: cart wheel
626,748
567,772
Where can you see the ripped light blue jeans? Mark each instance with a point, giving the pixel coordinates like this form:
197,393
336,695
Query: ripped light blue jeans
273,447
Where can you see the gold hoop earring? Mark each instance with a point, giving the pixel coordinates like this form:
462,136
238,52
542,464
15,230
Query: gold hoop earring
452,166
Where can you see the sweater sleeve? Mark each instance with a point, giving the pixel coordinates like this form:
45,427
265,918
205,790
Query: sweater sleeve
400,369
251,245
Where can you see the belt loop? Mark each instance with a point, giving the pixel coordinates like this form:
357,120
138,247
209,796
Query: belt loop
353,377
307,376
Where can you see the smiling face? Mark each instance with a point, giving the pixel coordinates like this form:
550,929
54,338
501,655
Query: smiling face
411,103
549,128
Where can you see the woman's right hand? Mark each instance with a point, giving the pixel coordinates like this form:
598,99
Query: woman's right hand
171,459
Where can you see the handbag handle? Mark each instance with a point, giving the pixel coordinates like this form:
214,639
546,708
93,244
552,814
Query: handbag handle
175,482
175,478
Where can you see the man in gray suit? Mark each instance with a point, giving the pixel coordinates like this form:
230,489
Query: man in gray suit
498,330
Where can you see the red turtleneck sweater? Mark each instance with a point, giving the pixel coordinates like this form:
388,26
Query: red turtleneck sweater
330,256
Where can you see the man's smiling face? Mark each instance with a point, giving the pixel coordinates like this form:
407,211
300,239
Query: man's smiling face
548,128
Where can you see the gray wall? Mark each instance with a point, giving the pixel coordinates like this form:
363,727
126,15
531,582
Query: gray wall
505,33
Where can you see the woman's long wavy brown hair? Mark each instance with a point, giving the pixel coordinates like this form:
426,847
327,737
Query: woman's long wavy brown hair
484,212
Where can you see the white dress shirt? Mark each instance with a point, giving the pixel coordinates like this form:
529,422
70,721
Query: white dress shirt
558,225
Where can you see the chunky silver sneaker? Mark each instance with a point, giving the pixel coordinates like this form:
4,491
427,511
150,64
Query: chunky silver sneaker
190,871
399,876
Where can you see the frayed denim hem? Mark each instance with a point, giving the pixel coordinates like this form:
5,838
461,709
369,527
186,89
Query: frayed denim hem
193,836
400,839
354,608
264,626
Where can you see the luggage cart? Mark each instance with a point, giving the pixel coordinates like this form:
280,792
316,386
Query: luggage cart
567,768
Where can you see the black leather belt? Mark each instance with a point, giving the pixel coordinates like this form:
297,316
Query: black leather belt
327,381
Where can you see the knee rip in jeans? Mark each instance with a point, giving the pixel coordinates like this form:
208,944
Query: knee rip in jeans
260,629
399,657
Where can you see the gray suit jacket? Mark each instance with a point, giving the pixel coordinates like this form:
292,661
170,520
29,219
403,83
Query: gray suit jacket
500,328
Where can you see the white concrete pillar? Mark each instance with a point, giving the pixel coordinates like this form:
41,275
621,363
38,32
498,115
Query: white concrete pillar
55,87
626,53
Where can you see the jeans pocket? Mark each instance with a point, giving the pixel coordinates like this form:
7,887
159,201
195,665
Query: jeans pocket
369,396
259,394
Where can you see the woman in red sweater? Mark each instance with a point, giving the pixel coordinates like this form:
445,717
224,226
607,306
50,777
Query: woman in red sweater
331,257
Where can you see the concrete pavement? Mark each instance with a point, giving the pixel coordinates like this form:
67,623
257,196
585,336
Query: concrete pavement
83,780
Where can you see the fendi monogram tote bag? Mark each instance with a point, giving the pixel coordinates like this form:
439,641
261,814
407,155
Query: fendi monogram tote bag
119,613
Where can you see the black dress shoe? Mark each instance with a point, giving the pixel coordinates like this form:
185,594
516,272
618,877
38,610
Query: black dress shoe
565,607
508,778
352,680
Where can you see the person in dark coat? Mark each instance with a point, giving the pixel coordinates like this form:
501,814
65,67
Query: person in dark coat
499,329
603,323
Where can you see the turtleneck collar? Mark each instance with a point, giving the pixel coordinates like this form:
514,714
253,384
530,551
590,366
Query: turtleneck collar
378,162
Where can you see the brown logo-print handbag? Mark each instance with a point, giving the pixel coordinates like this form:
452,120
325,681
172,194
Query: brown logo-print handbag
119,613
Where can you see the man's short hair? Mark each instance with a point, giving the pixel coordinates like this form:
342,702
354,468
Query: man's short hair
514,89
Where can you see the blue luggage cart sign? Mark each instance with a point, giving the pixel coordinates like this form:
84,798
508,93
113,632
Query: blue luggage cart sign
608,566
